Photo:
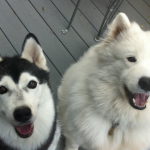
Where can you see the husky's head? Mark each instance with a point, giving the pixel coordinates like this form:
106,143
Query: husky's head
23,86
126,57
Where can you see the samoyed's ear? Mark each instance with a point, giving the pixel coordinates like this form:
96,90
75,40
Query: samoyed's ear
33,52
119,25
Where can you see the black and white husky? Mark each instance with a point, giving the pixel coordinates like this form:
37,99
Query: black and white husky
28,118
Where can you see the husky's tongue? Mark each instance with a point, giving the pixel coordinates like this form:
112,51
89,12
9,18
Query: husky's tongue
25,129
140,99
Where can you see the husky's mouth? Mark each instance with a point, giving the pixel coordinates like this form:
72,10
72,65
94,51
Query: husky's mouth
136,100
25,131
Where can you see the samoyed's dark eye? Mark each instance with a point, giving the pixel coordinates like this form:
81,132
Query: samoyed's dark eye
131,59
32,84
3,90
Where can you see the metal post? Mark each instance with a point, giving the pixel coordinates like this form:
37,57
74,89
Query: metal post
108,17
64,31
117,7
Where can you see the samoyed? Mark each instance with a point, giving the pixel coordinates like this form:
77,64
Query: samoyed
104,96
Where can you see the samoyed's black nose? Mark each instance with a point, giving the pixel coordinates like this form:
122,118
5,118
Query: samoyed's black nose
144,83
22,114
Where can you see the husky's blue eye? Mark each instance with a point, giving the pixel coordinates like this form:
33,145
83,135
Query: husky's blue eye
3,90
131,59
32,84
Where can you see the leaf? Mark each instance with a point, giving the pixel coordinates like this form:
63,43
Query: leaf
43,9
15,13
143,26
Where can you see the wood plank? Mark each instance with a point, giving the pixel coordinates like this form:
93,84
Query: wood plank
6,49
17,32
94,11
56,21
91,12
51,44
128,10
102,5
134,15
147,2
11,26
141,7
80,23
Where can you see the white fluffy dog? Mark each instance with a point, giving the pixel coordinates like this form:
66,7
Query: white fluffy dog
104,96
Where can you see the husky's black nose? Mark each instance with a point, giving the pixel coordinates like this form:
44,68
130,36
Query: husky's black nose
144,83
22,114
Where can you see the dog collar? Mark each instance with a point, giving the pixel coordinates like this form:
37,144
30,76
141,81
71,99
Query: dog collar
111,130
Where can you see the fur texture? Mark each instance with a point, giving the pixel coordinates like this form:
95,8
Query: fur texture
93,97
15,75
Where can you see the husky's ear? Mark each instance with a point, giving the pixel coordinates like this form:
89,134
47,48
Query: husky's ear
33,52
119,25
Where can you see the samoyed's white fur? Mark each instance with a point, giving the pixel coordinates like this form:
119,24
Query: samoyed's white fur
92,94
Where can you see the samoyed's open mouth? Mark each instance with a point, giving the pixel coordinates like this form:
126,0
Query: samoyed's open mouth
136,100
25,131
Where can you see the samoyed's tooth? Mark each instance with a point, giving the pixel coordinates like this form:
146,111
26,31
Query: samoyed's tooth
134,100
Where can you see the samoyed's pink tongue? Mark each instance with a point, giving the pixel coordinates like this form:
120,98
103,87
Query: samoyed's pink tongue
24,130
140,99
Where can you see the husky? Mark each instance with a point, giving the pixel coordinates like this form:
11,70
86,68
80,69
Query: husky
28,119
104,96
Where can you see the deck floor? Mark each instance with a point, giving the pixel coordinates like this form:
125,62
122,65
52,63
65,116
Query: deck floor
46,19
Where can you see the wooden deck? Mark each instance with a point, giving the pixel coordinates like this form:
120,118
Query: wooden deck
46,19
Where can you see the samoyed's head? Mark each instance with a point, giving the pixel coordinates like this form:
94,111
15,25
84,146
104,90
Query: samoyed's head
126,56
